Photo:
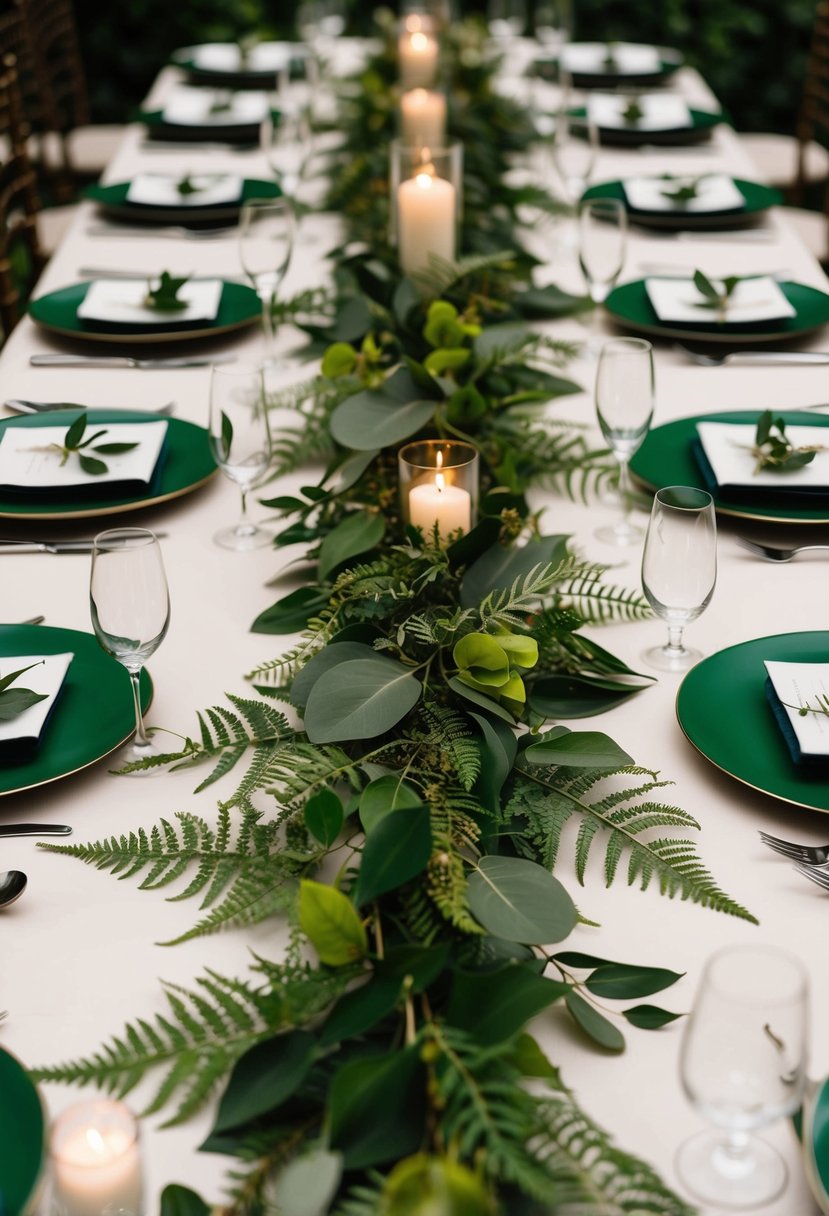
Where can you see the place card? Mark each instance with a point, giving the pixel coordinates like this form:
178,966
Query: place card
726,449
20,737
121,302
191,107
794,685
753,300
628,59
270,57
208,190
715,192
660,112
27,464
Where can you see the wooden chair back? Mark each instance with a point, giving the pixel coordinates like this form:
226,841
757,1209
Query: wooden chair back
21,257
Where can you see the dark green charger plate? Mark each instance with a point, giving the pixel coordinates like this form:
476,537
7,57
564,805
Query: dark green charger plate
22,1137
630,307
93,715
243,133
187,464
758,199
722,709
669,62
57,312
113,201
250,78
816,1145
665,459
702,124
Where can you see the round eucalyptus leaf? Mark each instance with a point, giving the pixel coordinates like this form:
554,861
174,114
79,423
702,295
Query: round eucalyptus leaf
360,699
520,901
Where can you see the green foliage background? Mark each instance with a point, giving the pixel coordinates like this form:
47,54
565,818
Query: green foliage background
752,52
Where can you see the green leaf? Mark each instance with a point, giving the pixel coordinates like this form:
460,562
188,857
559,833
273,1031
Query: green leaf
481,700
360,699
373,419
649,1017
357,533
339,360
503,339
620,981
498,749
307,1185
500,566
330,656
10,679
495,1005
420,965
531,1061
467,548
359,1010
91,465
520,901
481,655
75,432
397,849
704,285
574,958
331,923
292,613
264,1077
567,696
440,361
324,815
377,1108
594,1024
165,297
577,749
114,449
14,701
551,301
384,795
179,1200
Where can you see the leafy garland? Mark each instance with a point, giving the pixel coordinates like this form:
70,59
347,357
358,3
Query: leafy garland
415,762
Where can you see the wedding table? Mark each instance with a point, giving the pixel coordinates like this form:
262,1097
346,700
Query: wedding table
78,953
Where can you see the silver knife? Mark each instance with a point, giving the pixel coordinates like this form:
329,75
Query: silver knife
83,545
22,406
126,361
35,829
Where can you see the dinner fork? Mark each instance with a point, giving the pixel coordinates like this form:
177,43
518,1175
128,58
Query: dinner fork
774,553
814,874
804,854
752,356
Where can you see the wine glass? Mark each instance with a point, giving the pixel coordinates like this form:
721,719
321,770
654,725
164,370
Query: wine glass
602,244
743,1065
679,568
266,238
574,148
240,441
553,22
286,139
625,392
130,607
507,19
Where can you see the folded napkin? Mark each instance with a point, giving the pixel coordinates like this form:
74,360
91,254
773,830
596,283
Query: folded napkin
661,112
120,302
227,56
629,59
722,452
20,737
209,190
29,469
716,192
190,107
753,302
797,684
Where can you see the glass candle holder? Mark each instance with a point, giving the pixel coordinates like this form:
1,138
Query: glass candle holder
439,485
96,1161
418,50
423,118
426,199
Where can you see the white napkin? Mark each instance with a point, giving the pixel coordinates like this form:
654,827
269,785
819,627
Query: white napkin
629,59
121,302
24,464
753,300
46,678
800,684
159,190
726,446
661,112
227,57
188,107
715,192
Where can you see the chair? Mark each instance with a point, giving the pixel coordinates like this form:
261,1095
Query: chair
21,256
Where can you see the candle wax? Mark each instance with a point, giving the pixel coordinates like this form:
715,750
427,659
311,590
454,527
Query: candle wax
97,1169
423,118
418,59
426,221
449,506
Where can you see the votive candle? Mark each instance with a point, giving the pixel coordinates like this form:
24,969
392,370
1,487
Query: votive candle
96,1164
426,220
423,118
448,506
417,53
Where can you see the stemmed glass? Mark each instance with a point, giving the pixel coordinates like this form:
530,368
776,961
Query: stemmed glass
266,239
507,19
287,141
602,244
553,26
240,441
625,393
130,607
574,149
743,1065
679,568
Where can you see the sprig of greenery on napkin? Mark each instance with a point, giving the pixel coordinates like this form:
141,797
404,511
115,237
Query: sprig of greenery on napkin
14,701
633,111
75,444
165,297
687,190
773,450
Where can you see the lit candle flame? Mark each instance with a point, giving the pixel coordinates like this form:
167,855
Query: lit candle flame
96,1141
414,23
419,42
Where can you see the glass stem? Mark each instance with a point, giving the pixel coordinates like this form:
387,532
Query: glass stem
624,489
142,739
675,641
268,326
244,526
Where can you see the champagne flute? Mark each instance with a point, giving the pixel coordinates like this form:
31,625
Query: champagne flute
574,149
266,238
240,441
743,1065
679,568
287,141
130,607
602,244
624,407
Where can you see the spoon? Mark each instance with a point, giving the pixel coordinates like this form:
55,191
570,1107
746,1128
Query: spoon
12,886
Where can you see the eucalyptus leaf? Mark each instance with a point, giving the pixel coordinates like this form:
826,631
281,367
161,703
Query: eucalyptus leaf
495,1005
377,1108
397,849
567,696
336,652
357,533
264,1077
384,795
15,701
360,1010
620,981
292,613
578,749
594,1024
481,700
324,816
177,1200
520,901
531,1061
307,1185
500,566
330,922
649,1017
361,699
371,419
497,340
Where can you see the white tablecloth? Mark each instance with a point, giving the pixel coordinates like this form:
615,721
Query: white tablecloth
77,953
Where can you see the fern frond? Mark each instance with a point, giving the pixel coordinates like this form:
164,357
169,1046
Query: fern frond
508,606
265,887
450,733
441,275
598,602
283,669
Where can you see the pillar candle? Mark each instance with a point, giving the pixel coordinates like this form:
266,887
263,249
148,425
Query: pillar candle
423,118
426,220
418,58
436,502
96,1166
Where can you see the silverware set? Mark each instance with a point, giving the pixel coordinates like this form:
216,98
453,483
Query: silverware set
812,861
21,406
127,361
81,545
747,357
